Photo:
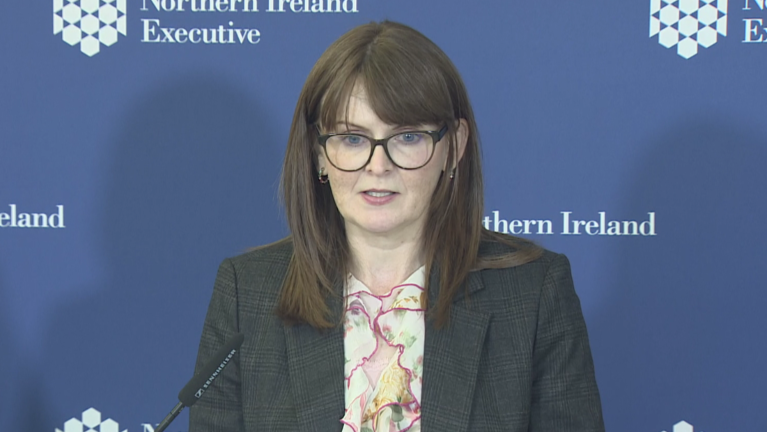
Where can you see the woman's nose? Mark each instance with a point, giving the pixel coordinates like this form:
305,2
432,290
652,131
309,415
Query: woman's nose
380,162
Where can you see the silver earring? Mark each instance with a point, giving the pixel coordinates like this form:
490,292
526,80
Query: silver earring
323,178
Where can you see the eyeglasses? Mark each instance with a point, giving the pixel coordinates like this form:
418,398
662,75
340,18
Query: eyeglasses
407,150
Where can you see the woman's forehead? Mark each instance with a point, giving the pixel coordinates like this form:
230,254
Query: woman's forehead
359,110
361,117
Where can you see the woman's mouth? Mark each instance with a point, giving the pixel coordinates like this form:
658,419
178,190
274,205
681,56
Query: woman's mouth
378,194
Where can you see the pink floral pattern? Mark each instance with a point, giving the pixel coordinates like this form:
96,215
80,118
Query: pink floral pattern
392,404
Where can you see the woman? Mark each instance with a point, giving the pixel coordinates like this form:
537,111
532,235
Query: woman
390,308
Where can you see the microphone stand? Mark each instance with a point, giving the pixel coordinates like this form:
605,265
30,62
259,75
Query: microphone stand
170,417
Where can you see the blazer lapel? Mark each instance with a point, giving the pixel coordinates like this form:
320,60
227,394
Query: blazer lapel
316,373
451,362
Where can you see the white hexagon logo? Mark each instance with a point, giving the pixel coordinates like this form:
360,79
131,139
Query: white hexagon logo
109,425
90,421
687,24
686,47
89,23
682,426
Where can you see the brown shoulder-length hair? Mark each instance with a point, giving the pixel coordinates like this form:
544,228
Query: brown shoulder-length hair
409,81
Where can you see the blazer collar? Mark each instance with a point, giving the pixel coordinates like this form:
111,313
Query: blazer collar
473,284
451,362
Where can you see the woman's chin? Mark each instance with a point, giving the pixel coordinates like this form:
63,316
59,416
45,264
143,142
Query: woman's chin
379,228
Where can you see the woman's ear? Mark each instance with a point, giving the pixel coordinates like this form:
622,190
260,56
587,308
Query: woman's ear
321,162
461,138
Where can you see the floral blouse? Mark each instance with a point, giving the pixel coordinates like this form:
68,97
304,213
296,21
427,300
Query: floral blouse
383,346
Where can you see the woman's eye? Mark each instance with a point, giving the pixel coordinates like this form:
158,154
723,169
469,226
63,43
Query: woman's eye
410,138
353,139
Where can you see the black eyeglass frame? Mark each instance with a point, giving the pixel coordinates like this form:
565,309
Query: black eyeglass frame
436,137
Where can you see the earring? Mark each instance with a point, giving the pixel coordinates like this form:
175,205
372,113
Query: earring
452,174
323,178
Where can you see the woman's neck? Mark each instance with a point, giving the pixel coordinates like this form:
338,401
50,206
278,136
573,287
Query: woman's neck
383,262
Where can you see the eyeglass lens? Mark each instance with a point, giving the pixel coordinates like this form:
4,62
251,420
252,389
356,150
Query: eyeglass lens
407,150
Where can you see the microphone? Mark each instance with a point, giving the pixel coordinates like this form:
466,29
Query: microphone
196,386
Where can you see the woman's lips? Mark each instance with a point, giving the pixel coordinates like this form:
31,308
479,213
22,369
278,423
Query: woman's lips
378,197
378,194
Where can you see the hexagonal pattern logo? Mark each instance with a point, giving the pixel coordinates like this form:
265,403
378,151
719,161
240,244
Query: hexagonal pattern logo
89,23
688,24
90,422
682,426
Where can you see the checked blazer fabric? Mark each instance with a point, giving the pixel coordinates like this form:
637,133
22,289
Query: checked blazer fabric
514,357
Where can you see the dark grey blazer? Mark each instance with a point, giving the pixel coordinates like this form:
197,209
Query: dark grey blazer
514,357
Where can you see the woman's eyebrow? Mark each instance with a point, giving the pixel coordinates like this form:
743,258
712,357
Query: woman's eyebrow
349,126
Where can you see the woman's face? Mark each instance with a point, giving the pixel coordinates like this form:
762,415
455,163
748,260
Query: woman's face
382,199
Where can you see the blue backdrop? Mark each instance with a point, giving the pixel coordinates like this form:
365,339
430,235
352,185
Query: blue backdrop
122,123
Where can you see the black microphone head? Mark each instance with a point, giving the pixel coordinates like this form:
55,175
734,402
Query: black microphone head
215,364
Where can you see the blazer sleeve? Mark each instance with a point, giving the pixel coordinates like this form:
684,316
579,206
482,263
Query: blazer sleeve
564,394
220,407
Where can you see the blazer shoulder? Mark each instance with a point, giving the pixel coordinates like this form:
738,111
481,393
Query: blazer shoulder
278,253
531,274
490,247
260,271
